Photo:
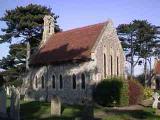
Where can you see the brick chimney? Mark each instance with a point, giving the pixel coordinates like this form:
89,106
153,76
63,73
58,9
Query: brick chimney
48,28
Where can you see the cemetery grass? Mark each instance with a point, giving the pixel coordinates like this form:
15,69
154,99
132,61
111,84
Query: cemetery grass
146,114
41,111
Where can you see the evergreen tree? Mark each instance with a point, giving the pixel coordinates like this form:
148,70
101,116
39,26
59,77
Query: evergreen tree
24,27
139,39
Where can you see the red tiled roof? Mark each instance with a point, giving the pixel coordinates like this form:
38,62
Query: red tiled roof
157,67
75,44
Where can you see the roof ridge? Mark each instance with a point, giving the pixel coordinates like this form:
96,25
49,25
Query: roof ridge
81,28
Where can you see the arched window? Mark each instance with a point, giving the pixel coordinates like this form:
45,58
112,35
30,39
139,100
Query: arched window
36,82
43,81
117,66
111,65
104,62
53,82
61,82
74,81
83,84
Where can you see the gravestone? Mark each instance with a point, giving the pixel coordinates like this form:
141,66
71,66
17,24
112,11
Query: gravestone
8,91
156,101
15,104
55,106
3,113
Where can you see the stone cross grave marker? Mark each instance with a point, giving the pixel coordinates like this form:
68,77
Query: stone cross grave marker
55,106
15,104
3,112
156,101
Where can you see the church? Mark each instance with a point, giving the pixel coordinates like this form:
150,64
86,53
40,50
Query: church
70,63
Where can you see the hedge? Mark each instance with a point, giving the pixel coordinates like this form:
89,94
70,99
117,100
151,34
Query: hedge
112,92
135,92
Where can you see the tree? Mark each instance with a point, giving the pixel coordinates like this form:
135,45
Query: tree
127,34
139,39
24,25
148,41
14,63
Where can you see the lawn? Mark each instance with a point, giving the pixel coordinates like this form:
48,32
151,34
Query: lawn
146,114
41,111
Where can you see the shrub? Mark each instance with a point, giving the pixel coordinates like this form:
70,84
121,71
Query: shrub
111,92
1,81
158,91
141,79
147,93
135,92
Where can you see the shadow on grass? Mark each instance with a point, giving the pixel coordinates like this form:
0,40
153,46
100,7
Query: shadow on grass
58,118
67,118
41,111
32,110
137,114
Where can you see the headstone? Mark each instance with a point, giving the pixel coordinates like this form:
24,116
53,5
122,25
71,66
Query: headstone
8,91
3,112
156,101
15,104
55,106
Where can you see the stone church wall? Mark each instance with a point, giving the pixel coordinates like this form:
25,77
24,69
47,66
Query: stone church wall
109,45
67,94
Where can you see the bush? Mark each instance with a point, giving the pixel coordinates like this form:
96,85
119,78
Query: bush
141,79
147,93
111,92
135,92
158,91
1,81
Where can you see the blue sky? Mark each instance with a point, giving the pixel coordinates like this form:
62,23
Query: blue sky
76,13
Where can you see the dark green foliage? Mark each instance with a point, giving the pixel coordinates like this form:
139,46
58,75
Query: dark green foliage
14,63
139,39
111,92
141,79
124,98
1,81
16,57
135,92
24,25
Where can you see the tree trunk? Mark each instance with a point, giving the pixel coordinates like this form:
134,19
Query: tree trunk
132,59
132,68
150,72
145,71
28,56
